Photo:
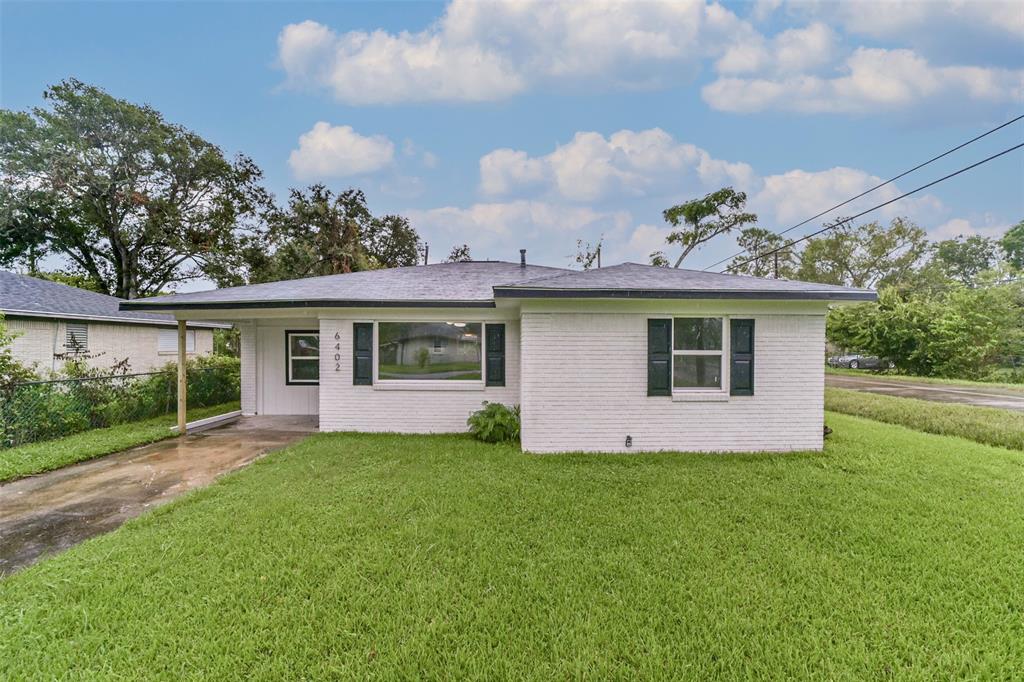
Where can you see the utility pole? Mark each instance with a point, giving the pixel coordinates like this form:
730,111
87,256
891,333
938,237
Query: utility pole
776,265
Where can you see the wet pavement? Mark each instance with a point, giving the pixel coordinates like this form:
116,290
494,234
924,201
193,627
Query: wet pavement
48,513
981,396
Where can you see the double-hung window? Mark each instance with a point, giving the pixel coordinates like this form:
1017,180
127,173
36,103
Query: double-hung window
698,348
302,357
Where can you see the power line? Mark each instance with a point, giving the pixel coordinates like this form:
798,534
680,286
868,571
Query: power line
875,208
882,184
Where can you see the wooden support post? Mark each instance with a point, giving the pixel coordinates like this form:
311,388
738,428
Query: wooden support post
182,378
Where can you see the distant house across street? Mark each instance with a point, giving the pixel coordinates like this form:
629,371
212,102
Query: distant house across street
54,322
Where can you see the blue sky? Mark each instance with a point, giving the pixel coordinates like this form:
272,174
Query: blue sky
532,125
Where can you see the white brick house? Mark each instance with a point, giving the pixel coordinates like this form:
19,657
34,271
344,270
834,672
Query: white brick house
52,322
625,358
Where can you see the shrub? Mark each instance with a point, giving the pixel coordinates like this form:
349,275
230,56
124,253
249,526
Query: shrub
495,423
93,397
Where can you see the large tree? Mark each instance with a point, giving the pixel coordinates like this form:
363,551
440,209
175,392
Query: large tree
701,220
134,202
323,233
867,255
964,258
1013,245
766,254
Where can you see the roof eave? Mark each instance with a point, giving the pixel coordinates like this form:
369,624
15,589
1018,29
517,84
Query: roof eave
684,294
141,304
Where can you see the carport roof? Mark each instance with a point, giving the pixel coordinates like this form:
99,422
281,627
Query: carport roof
477,284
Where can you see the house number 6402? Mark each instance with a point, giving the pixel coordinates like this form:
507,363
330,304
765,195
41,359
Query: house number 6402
337,356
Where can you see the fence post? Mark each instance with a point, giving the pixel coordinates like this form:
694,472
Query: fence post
182,377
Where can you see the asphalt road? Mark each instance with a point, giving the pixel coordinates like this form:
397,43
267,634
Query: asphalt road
943,393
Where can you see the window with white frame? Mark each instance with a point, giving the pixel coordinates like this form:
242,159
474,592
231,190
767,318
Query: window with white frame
167,342
698,349
302,357
430,351
76,337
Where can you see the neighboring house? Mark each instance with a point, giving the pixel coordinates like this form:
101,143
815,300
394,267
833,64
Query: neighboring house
53,322
623,358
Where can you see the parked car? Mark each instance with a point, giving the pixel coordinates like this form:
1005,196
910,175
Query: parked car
860,362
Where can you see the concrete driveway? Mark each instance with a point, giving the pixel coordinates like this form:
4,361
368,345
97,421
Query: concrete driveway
944,393
50,512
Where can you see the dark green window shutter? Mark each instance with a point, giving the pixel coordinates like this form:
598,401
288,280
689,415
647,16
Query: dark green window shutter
495,354
659,357
362,353
741,358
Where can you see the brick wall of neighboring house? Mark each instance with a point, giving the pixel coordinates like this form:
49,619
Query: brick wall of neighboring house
38,340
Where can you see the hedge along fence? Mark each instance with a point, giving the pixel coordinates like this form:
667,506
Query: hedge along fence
36,411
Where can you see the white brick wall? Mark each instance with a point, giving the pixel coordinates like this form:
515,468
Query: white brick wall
109,343
584,387
345,407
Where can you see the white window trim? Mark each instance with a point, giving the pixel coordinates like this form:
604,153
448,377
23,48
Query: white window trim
428,384
683,394
289,381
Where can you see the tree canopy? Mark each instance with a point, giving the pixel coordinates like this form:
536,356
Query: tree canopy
780,261
321,232
134,202
965,258
459,254
1013,245
701,220
868,255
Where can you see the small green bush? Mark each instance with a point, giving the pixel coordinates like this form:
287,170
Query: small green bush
495,423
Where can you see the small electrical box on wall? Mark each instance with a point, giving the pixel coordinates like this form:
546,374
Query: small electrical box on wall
629,441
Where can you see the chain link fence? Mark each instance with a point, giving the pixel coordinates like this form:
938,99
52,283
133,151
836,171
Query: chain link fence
34,411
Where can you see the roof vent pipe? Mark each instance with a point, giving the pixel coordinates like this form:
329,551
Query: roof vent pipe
522,258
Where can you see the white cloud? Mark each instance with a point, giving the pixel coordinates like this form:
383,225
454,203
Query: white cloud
796,50
653,166
414,151
489,222
592,167
900,19
873,80
791,197
480,51
328,151
988,226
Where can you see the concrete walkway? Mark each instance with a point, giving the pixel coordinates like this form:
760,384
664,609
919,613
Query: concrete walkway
982,396
48,513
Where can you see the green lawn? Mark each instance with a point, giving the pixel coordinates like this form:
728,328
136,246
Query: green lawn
989,425
36,458
895,554
887,375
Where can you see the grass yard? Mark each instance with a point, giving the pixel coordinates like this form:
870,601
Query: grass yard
887,375
895,554
989,425
35,458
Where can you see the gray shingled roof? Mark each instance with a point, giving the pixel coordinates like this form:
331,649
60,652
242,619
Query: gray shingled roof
477,284
632,280
24,296
440,284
